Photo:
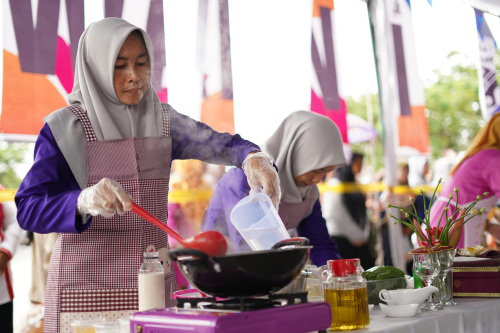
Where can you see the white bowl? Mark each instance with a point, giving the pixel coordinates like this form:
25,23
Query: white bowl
401,311
406,296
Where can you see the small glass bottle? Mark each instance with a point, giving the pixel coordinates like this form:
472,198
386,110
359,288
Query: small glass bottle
345,290
151,283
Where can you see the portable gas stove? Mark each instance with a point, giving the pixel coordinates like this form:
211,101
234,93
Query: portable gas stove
290,313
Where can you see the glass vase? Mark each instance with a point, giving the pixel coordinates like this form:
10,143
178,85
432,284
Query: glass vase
444,280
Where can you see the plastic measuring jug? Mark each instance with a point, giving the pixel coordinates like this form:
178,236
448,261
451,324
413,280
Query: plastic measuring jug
258,222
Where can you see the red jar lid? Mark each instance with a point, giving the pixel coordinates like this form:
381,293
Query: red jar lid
343,267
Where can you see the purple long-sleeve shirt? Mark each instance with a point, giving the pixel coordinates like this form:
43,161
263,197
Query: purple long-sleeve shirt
46,199
233,187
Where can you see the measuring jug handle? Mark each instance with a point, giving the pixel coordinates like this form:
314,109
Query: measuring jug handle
384,296
255,192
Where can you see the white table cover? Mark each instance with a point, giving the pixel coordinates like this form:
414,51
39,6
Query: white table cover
472,315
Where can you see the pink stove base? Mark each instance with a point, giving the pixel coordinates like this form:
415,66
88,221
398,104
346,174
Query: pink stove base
297,318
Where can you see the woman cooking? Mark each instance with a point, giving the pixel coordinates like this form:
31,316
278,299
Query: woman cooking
114,144
305,147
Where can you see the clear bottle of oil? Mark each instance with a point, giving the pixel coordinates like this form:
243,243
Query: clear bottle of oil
345,290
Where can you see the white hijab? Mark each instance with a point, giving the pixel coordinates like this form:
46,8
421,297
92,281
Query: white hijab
304,141
94,90
416,166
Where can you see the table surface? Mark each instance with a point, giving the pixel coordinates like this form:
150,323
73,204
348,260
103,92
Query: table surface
471,315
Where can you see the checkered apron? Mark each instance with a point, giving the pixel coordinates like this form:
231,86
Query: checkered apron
293,213
94,274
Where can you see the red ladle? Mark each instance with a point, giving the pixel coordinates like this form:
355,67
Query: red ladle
211,242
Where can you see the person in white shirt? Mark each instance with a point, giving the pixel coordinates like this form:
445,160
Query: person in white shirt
10,235
346,216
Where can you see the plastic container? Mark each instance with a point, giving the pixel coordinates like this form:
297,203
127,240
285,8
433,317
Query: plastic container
314,283
258,222
85,325
124,324
188,293
308,281
151,283
345,290
107,327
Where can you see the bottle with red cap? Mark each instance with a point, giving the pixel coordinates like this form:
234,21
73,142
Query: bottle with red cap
345,290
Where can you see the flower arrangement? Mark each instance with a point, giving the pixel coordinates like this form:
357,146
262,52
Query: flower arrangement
440,238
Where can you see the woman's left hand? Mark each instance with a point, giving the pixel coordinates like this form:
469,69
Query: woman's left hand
260,171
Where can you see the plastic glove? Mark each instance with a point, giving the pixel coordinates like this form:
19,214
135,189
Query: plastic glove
260,171
104,198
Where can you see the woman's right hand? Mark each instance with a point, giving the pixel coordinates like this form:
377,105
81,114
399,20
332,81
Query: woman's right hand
104,198
260,171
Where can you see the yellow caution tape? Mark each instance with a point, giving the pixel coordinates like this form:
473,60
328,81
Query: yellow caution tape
198,195
374,188
185,196
7,195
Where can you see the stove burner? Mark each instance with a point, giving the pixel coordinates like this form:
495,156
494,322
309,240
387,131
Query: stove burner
194,301
293,298
241,304
244,304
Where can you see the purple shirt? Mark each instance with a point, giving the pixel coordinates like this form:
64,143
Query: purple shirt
46,199
233,187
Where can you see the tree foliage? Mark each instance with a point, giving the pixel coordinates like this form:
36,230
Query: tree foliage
454,114
372,150
452,100
12,158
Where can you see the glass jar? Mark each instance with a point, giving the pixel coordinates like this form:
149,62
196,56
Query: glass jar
345,290
151,282
313,282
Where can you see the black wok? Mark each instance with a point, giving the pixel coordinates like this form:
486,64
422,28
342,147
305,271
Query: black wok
244,274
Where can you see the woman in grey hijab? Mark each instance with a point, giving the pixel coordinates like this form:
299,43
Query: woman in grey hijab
113,144
305,147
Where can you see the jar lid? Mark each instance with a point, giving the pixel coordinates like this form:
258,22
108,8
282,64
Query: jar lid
343,267
150,255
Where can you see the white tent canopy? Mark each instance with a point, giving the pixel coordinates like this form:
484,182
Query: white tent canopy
490,6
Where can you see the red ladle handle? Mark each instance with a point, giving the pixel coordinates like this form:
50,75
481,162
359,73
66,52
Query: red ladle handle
148,217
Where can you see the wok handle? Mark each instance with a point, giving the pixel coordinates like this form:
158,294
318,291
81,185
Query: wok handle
300,241
180,252
174,254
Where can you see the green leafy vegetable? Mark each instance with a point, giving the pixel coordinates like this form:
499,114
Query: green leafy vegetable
383,277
